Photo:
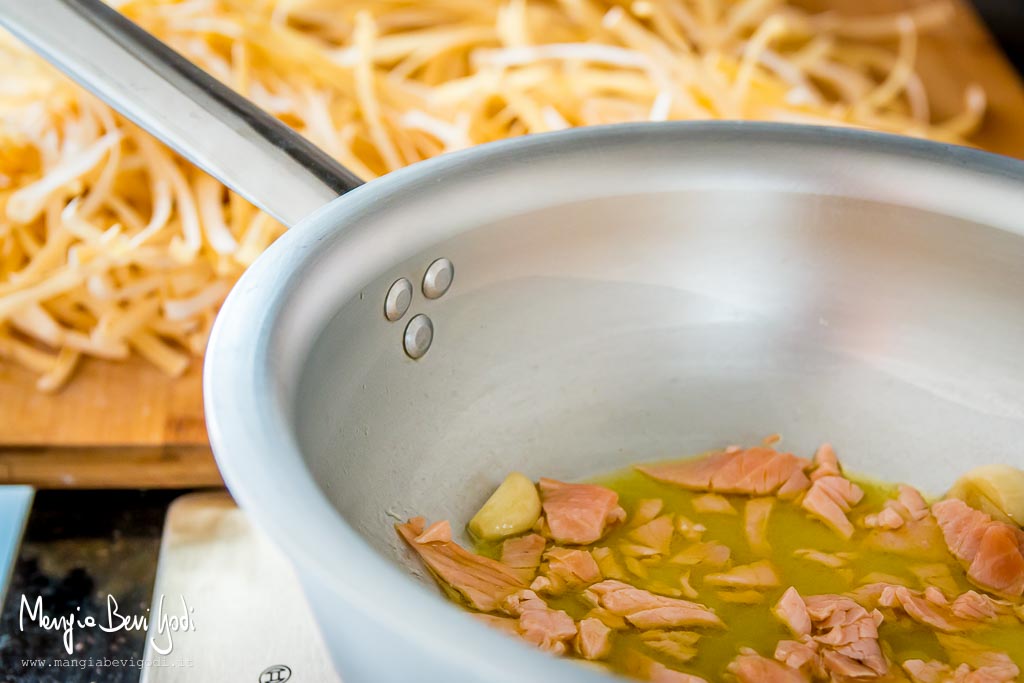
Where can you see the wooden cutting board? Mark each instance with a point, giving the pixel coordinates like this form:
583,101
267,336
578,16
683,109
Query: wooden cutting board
128,426
251,615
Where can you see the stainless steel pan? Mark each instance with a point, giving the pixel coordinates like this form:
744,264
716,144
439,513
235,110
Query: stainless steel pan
619,294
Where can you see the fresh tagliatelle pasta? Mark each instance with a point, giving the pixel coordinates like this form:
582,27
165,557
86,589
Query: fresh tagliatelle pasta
112,245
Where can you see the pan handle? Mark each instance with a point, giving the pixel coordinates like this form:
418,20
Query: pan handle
218,130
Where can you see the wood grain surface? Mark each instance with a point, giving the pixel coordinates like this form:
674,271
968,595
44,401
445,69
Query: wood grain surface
250,611
126,425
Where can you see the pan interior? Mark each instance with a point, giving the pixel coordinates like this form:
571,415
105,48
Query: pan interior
583,337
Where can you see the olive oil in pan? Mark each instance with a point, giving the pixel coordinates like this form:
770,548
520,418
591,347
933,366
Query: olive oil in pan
790,530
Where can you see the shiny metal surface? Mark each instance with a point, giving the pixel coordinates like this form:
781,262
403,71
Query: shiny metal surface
224,134
625,293
419,335
438,278
398,299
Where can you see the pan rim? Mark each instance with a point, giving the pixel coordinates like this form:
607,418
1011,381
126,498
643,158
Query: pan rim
295,513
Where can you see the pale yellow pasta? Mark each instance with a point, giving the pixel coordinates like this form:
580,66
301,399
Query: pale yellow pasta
110,244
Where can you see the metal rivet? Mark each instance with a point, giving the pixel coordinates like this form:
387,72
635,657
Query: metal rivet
438,278
419,333
396,303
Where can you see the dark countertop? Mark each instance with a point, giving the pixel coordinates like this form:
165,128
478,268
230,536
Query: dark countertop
1005,19
79,547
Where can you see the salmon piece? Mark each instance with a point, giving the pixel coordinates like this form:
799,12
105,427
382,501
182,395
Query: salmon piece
608,563
791,611
547,628
566,569
711,553
755,524
760,574
750,667
931,671
829,499
655,534
646,510
826,464
646,610
922,610
594,639
870,593
523,554
680,646
801,655
935,596
920,539
830,560
438,532
999,564
991,551
483,582
843,667
578,514
713,504
647,669
849,633
886,518
938,672
692,473
913,502
797,483
908,507
973,606
755,471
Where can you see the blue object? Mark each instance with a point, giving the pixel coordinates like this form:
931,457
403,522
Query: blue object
15,502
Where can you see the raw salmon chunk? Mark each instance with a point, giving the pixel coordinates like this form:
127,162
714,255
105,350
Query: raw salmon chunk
680,646
755,524
1002,671
830,498
704,575
843,635
791,610
646,610
483,582
547,628
755,471
523,554
932,612
655,534
594,640
750,667
797,654
756,575
991,551
578,513
566,569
